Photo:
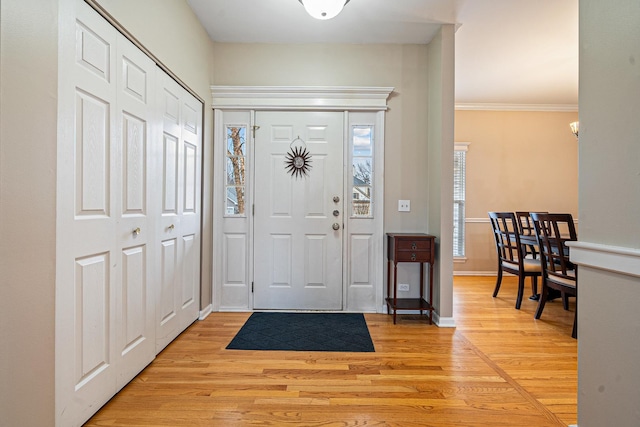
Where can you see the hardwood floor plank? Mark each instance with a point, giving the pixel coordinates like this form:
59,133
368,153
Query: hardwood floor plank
498,367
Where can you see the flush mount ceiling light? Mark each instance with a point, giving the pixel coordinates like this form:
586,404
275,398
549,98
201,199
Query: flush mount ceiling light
323,9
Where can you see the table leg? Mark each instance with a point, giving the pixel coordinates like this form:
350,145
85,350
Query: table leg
431,293
395,289
421,285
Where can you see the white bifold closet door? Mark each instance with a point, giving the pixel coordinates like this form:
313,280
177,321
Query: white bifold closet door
128,213
179,223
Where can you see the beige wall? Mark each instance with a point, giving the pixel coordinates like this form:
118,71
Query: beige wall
403,67
517,160
407,130
172,33
28,84
609,189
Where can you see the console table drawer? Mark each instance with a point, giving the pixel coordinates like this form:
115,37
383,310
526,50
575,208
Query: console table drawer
413,245
413,256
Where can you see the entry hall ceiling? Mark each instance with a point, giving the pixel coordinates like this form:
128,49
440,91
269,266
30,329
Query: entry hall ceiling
507,51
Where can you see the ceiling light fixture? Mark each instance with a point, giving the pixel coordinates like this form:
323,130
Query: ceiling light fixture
574,127
323,9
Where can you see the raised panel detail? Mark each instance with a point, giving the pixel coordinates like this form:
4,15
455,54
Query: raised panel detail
281,252
170,174
92,297
134,296
135,80
315,257
134,162
190,260
190,184
235,249
281,188
92,155
92,52
361,259
171,107
168,259
317,133
282,133
190,119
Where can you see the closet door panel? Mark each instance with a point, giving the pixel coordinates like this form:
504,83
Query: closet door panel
180,219
86,283
135,332
168,317
189,231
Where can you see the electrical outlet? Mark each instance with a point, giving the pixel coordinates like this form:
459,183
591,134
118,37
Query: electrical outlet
403,287
404,205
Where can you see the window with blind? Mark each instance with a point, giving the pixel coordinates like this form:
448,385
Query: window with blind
459,178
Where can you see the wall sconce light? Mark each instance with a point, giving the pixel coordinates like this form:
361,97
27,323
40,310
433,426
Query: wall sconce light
574,128
323,9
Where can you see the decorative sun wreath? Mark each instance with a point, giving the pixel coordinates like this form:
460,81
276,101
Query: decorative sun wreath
298,162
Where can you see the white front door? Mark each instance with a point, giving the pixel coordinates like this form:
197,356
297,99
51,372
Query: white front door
298,216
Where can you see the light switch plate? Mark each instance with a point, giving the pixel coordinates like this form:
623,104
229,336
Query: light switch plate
404,205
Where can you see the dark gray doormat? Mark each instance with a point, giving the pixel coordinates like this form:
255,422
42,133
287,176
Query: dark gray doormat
346,332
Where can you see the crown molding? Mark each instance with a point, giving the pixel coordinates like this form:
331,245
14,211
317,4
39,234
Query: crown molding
318,98
565,108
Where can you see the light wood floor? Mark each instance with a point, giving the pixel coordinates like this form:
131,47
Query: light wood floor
498,367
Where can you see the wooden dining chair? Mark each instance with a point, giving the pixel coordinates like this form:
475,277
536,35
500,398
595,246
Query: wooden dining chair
511,255
525,226
558,272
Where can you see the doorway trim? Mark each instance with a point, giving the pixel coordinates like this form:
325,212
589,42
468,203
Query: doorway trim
363,238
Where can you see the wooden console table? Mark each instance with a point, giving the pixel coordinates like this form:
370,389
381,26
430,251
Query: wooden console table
410,247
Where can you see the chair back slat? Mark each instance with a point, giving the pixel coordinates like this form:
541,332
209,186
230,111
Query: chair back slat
553,232
506,234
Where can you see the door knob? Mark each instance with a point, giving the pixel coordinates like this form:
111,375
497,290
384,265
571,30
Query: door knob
336,199
335,226
336,212
171,227
136,231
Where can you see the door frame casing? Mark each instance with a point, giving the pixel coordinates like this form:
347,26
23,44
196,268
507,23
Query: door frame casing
244,101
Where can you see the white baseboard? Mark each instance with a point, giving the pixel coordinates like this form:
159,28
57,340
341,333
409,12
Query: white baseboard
475,273
444,322
205,312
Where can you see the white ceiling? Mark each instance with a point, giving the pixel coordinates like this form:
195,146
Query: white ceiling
507,51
